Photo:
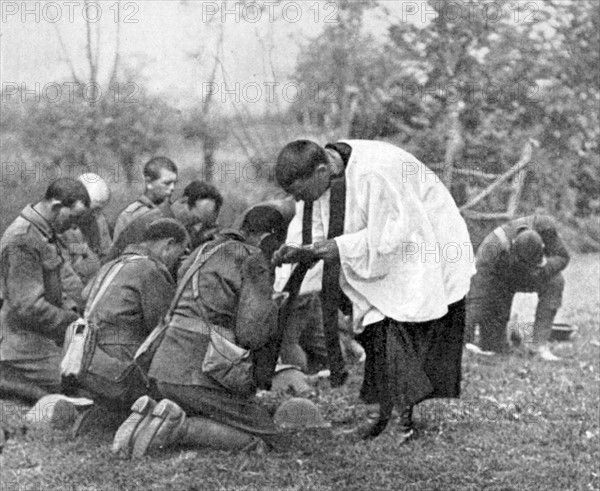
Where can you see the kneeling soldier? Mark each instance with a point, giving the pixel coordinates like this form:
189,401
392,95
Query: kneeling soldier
525,255
127,309
226,290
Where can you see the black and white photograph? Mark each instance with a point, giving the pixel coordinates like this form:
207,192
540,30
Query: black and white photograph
297,245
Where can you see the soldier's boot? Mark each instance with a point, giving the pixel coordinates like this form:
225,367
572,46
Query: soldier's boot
208,433
169,426
544,318
140,417
165,427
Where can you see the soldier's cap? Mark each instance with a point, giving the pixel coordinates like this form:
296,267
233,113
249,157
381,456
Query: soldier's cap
269,216
528,247
97,189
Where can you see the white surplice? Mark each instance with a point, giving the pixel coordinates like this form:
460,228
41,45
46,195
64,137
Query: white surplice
405,252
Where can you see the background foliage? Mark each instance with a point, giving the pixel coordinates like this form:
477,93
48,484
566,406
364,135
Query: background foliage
463,90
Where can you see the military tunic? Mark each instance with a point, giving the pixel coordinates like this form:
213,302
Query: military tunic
220,294
36,311
498,278
138,208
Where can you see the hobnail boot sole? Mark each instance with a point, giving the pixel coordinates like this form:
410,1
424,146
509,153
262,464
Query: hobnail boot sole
141,409
160,416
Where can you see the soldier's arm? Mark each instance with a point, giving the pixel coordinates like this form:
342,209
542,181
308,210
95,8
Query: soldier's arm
156,293
256,318
26,293
557,256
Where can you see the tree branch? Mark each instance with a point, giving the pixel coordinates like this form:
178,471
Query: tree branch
66,56
115,66
522,163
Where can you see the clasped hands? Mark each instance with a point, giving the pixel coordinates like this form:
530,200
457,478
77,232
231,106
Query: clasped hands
326,250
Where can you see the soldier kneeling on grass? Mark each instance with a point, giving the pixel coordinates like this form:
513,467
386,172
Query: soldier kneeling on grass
225,302
126,301
525,255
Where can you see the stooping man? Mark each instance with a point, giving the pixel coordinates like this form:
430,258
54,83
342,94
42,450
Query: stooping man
225,289
160,177
525,255
36,311
407,289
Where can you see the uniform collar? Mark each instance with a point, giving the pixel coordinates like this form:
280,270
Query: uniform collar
38,221
138,250
146,201
233,234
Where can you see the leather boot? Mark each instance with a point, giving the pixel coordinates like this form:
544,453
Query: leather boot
140,417
544,318
164,427
204,432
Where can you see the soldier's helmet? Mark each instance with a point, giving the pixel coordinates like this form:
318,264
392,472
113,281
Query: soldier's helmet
528,247
96,188
299,413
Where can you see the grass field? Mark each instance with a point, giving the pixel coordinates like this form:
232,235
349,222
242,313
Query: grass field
521,424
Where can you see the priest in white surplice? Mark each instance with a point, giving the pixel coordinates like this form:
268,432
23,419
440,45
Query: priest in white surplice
404,260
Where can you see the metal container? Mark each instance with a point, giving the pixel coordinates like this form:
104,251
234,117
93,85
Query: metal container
562,332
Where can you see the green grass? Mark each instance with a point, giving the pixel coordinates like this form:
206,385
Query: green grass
521,424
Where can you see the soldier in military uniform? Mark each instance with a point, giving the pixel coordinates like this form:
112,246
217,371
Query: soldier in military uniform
137,296
231,292
197,210
36,311
160,177
525,255
87,245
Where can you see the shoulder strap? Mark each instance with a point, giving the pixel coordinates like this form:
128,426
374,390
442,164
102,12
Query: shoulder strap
201,258
100,286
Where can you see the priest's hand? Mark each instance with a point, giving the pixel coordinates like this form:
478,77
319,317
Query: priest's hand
293,254
327,250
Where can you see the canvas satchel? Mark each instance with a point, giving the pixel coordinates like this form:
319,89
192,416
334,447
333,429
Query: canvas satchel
228,364
87,365
225,362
